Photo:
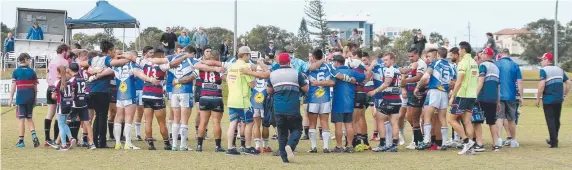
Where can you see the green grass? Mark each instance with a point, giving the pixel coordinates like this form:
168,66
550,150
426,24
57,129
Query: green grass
533,153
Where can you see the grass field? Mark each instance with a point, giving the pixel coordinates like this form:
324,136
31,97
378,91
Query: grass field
533,153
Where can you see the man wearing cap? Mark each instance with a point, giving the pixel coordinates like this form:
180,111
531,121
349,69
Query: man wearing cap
35,32
270,49
201,40
286,85
184,40
240,80
489,99
553,87
342,104
509,77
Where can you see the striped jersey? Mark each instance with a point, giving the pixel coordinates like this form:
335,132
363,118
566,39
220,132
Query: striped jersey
151,91
211,85
554,87
186,68
25,79
392,94
421,68
441,75
490,90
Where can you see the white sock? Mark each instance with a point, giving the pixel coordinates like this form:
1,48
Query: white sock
426,133
312,134
184,134
456,136
175,132
257,142
265,143
326,137
117,133
127,134
169,126
181,132
444,133
388,133
137,128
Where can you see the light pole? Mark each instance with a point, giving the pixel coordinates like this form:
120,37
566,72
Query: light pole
556,35
235,26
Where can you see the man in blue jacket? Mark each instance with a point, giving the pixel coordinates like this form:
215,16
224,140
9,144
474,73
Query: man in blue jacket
342,104
35,33
184,40
9,43
201,40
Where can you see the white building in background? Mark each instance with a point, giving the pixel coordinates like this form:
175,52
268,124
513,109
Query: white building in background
390,32
344,25
506,38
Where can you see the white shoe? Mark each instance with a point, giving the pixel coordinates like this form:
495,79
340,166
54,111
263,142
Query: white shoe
132,147
401,139
507,142
289,151
514,144
467,147
499,142
411,146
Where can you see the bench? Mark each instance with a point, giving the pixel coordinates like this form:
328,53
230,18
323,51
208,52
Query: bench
534,93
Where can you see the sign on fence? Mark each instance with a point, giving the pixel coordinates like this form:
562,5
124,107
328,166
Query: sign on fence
5,91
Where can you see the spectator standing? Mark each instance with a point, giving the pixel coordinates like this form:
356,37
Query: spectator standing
553,87
201,40
491,43
224,50
184,40
509,76
355,38
168,39
270,49
9,43
286,85
334,41
35,33
419,42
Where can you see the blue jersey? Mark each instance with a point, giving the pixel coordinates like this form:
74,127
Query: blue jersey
378,70
101,84
344,92
259,93
320,94
138,83
490,90
441,76
125,81
26,80
554,78
186,68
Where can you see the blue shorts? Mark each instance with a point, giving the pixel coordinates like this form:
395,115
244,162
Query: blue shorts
24,111
342,117
461,105
242,115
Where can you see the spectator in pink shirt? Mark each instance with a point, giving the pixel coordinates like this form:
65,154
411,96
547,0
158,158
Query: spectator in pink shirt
60,60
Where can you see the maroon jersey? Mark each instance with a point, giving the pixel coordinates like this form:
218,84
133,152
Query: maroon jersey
211,84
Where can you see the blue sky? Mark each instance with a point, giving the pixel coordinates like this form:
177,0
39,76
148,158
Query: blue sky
449,18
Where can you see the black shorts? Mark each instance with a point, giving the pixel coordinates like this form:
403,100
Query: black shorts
490,112
82,113
113,96
49,95
416,101
460,105
197,93
155,104
389,108
360,101
91,103
66,110
24,111
208,103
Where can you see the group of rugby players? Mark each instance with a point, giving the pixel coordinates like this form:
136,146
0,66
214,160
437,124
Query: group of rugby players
422,92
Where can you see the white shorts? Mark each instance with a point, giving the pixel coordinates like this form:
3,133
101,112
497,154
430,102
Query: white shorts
139,94
320,108
181,100
258,112
403,102
124,103
438,99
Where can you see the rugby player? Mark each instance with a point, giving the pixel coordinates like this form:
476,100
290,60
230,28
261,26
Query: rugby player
439,74
389,104
148,52
414,101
